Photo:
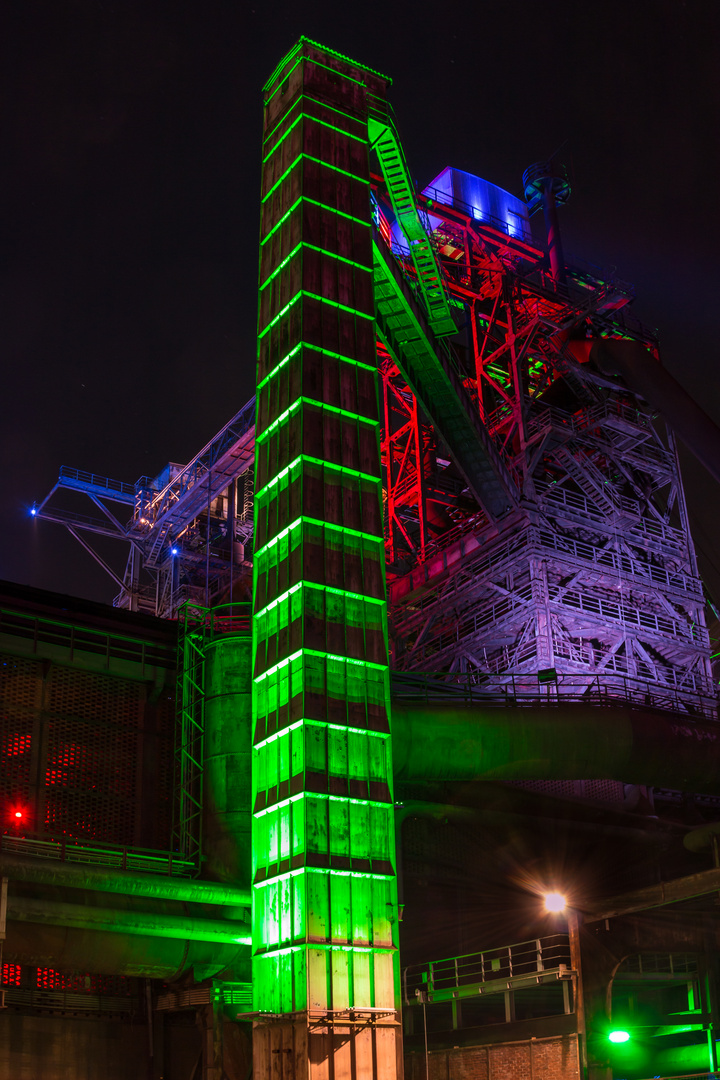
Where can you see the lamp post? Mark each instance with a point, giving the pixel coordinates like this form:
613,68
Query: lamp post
556,903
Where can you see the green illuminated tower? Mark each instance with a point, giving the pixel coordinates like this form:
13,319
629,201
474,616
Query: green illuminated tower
325,965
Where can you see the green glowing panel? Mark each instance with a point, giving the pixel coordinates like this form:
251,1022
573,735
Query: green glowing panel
325,904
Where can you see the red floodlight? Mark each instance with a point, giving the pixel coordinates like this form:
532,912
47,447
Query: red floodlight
16,814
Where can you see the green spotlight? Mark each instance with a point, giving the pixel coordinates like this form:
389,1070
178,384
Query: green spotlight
619,1036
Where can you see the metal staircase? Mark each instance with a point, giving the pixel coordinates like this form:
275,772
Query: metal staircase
589,479
384,140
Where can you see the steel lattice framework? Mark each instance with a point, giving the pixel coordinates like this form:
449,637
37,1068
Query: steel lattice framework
189,527
587,573
534,512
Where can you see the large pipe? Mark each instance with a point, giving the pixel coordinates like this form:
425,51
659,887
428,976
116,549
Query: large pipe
693,1058
227,817
103,953
445,743
104,879
115,921
645,376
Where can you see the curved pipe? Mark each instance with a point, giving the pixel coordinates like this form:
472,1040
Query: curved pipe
102,953
102,879
648,378
441,743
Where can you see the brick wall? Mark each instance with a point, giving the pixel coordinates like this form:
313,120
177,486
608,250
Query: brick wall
534,1059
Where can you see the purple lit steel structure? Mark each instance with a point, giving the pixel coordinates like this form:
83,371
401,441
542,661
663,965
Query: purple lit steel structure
565,550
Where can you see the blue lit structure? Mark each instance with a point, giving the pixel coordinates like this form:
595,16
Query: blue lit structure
482,200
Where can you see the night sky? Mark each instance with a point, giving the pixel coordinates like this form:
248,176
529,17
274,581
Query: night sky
129,206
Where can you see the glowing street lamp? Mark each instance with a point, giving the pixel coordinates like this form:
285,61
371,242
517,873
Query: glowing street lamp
619,1036
555,902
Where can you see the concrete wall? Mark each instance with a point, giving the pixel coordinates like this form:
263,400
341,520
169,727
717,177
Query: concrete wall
53,1047
534,1059
70,1048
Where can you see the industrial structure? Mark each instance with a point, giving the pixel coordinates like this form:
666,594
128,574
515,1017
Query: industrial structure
423,618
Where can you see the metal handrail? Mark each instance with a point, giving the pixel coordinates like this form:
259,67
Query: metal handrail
524,959
525,690
94,479
435,195
685,1076
114,856
202,464
234,617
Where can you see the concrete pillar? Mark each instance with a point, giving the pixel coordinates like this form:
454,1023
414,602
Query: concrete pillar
325,965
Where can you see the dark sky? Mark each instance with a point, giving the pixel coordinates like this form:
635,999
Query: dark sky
129,203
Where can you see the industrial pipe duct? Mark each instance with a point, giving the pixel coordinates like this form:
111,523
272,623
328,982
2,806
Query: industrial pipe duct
159,927
136,956
567,742
124,882
157,938
121,921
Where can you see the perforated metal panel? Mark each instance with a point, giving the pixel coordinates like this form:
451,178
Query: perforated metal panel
93,697
561,789
72,982
604,790
92,752
73,755
18,694
163,770
608,791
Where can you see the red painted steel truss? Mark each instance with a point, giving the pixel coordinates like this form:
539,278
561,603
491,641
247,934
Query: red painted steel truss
592,573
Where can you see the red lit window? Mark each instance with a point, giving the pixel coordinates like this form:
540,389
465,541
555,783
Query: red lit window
11,975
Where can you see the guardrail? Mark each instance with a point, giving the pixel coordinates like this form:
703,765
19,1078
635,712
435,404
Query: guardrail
551,690
112,856
45,631
519,230
459,976
218,621
685,1076
92,479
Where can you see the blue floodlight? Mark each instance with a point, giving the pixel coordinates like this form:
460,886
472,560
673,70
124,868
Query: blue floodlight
174,551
